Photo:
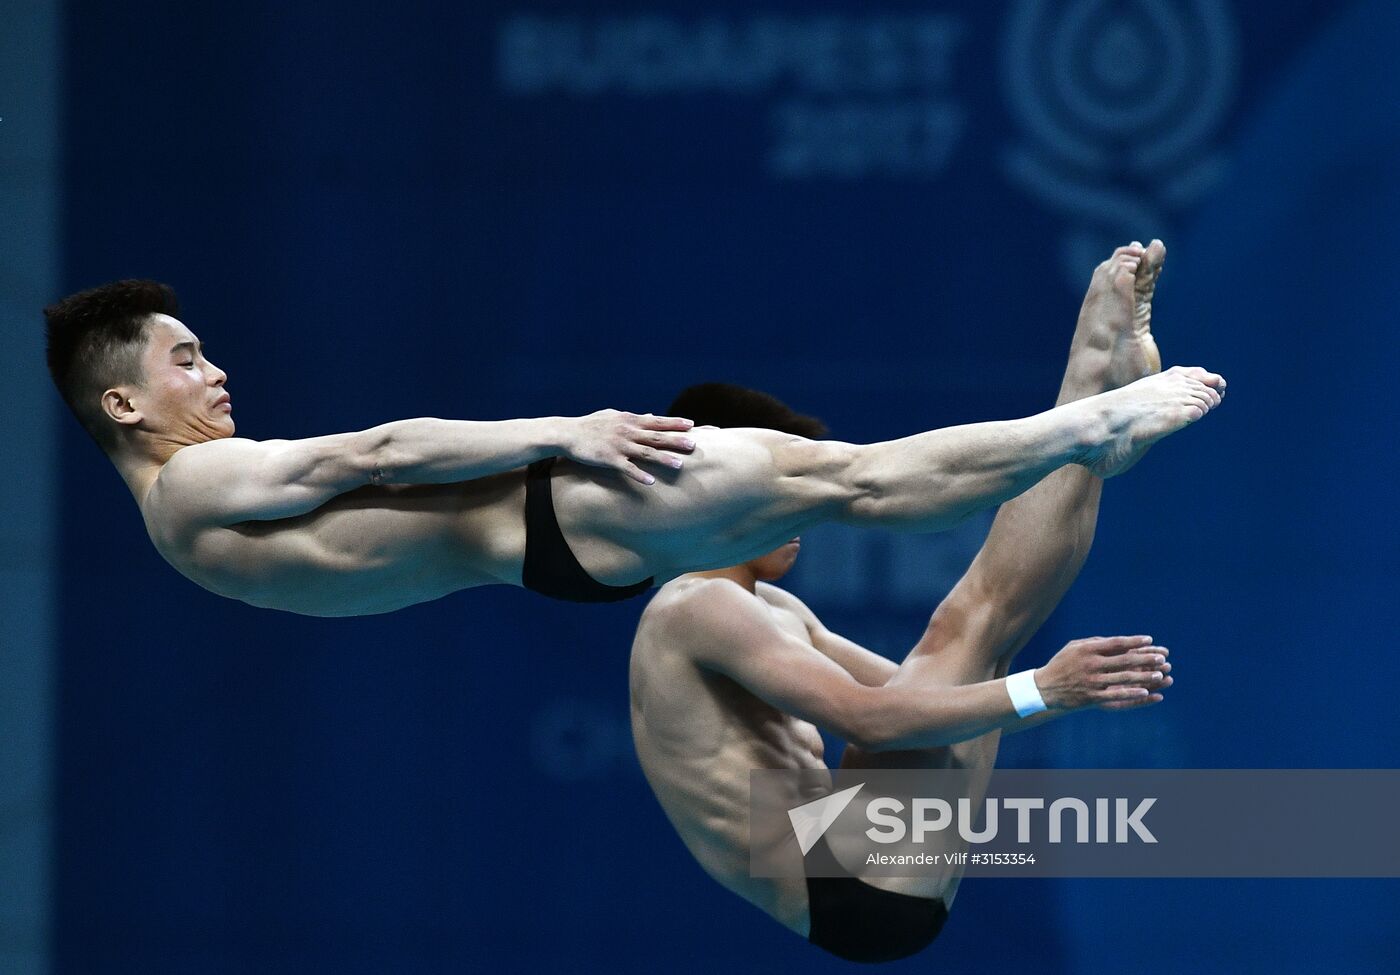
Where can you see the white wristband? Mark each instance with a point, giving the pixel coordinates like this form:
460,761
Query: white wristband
1025,696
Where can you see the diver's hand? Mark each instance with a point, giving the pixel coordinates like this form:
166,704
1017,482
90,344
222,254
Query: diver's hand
1114,673
611,438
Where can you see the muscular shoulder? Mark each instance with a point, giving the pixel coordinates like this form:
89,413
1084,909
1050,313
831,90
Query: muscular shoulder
193,472
697,616
692,600
782,599
191,460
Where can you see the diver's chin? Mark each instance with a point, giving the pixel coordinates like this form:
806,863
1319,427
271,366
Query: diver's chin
776,573
213,431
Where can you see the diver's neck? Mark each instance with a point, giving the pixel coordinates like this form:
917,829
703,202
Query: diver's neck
139,467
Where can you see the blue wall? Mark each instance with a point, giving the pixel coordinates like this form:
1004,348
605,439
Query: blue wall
376,212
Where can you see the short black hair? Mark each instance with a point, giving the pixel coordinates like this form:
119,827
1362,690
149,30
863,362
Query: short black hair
727,405
95,339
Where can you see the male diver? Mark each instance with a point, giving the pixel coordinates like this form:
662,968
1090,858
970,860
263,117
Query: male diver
730,673
408,511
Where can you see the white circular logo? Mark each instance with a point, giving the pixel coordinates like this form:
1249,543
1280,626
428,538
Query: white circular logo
1117,104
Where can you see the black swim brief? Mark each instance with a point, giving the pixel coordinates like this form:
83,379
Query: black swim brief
550,567
858,922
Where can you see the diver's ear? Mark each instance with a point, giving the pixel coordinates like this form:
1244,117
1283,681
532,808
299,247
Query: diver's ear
118,405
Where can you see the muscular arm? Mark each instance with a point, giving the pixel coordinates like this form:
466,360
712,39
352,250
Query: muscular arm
224,482
866,666
724,629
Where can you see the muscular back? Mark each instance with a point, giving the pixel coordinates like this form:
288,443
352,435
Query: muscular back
698,734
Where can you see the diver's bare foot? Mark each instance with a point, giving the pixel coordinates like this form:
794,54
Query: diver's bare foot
1143,412
1135,353
1109,350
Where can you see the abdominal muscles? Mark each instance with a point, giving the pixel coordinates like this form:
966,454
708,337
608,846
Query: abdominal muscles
697,756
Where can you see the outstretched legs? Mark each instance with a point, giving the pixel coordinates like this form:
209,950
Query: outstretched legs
933,480
744,492
1038,541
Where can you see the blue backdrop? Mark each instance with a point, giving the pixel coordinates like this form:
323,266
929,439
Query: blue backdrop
886,217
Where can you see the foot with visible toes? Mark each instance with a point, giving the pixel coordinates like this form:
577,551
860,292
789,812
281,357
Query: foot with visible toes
1135,352
1113,343
1138,415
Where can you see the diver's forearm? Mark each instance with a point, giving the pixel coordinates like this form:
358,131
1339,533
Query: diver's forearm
427,450
919,714
1034,721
